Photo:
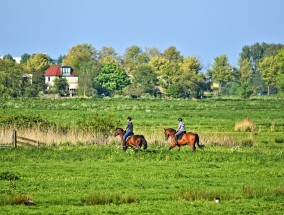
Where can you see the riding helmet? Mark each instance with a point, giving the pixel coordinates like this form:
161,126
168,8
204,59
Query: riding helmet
129,118
180,119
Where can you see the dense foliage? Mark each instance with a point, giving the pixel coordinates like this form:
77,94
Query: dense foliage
150,73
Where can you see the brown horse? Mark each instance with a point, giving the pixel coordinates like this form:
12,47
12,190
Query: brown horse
132,141
188,138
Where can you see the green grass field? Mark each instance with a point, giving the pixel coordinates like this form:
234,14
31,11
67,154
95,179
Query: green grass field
244,169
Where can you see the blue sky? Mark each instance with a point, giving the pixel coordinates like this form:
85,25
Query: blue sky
202,28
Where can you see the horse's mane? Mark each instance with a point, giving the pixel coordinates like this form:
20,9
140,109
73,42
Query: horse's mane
171,129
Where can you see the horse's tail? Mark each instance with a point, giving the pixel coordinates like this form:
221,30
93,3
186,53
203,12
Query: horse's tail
144,142
197,141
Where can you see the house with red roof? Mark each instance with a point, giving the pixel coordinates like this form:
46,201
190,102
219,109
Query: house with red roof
67,72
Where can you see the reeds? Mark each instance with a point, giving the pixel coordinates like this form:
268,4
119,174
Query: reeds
245,125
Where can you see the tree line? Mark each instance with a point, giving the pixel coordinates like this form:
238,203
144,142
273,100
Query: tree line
149,73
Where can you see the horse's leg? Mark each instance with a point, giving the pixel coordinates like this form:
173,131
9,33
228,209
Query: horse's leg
193,147
125,147
138,145
172,145
192,144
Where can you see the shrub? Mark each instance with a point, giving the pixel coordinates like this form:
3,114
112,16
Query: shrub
9,176
245,125
279,140
24,121
101,124
247,143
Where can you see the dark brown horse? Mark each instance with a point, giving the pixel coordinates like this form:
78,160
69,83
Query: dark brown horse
132,141
188,138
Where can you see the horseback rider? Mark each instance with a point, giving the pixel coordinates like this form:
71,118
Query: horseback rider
180,130
128,130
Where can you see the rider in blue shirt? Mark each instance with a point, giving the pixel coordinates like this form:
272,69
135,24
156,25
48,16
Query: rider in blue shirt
128,130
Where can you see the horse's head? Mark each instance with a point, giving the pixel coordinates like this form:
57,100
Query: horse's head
119,131
169,132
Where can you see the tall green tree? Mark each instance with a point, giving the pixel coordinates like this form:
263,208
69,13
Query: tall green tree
245,71
221,71
245,76
108,55
269,68
144,81
256,53
132,58
152,52
24,58
11,78
164,69
37,65
172,54
60,59
78,54
280,72
113,78
61,86
8,57
87,73
190,78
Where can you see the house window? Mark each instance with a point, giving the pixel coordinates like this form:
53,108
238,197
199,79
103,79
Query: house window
66,71
48,78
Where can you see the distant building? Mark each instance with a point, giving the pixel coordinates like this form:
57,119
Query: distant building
67,72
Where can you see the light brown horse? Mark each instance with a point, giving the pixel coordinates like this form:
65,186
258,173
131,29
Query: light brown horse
132,141
188,138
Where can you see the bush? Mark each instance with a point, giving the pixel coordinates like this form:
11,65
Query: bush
100,124
279,140
24,121
245,125
247,143
9,176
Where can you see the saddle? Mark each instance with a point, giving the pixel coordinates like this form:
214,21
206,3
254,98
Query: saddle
129,135
179,137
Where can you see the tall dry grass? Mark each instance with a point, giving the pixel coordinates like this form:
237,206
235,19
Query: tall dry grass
153,136
74,137
245,125
221,139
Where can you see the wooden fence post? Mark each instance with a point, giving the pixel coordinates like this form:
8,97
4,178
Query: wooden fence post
15,138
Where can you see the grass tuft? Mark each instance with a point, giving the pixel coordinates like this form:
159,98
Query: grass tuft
16,200
197,195
245,125
279,140
9,176
104,199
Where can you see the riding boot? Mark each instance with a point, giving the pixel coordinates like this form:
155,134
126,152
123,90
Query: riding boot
176,141
124,145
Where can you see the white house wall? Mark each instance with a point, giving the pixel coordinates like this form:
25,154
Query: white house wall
72,81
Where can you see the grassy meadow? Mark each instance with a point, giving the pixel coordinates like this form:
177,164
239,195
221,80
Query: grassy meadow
85,173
